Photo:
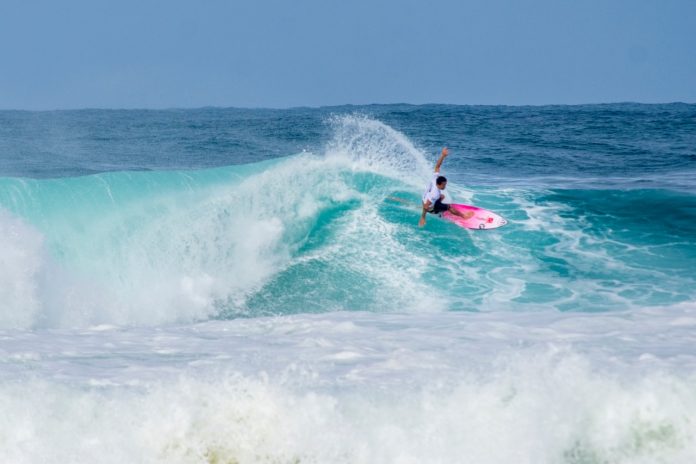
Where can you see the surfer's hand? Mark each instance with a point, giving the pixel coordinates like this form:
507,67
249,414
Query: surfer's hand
445,151
421,223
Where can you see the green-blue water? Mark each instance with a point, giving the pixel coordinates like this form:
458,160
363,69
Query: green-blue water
153,217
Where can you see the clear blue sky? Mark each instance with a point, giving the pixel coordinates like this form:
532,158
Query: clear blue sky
263,53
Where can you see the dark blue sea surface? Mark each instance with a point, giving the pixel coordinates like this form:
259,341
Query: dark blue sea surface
652,144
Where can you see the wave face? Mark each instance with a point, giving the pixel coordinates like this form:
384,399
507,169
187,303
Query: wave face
321,232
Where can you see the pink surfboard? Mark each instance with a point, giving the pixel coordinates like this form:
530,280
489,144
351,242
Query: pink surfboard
480,218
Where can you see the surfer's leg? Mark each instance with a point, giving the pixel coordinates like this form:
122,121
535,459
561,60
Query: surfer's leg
439,207
461,214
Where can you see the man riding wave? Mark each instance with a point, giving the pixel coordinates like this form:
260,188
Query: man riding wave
433,196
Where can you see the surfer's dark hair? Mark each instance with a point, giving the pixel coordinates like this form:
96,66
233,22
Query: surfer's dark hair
440,180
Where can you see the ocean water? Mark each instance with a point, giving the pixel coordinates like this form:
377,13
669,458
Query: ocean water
251,286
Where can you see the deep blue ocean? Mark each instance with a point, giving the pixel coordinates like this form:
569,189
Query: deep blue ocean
242,285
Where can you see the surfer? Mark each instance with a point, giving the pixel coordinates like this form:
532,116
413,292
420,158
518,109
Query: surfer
433,196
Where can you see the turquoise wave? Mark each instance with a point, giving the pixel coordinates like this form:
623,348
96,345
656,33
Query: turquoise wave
314,233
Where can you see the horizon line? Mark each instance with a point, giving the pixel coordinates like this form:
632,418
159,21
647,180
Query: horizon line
319,107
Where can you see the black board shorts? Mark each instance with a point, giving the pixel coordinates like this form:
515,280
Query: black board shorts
439,207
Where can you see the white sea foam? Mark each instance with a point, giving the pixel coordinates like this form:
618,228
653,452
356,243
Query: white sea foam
536,388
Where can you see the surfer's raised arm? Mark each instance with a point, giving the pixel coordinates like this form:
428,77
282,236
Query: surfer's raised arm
444,154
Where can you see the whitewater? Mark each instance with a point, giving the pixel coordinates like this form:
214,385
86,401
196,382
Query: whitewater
240,286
